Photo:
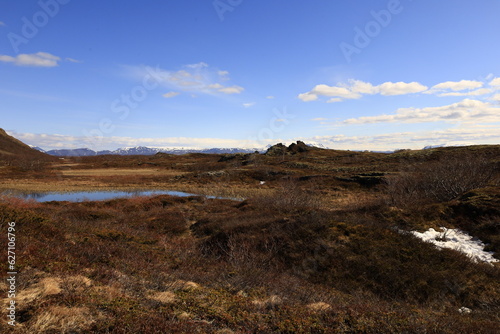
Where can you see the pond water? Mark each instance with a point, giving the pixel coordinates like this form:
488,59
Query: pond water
93,195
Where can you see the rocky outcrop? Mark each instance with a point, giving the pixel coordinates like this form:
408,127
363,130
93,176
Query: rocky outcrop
294,148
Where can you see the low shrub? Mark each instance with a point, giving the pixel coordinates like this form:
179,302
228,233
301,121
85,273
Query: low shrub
441,180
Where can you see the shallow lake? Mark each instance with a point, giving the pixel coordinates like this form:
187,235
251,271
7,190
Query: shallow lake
93,195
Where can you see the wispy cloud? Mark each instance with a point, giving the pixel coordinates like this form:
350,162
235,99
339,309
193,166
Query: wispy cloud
495,82
231,90
249,104
457,85
71,60
464,111
355,89
32,96
39,59
476,92
459,88
2,23
223,75
198,65
170,94
192,78
469,135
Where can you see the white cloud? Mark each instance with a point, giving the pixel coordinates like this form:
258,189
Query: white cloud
215,86
270,97
248,105
457,85
307,97
496,97
170,94
401,88
468,135
495,82
477,92
355,89
361,87
464,111
335,91
318,119
194,78
198,65
39,59
231,90
459,88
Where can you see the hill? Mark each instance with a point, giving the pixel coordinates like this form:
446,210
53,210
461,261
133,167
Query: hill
11,147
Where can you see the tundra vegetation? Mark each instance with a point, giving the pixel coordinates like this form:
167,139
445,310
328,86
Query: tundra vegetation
317,242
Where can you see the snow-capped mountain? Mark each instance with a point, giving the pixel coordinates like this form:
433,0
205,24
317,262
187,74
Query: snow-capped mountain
434,146
78,152
37,148
142,150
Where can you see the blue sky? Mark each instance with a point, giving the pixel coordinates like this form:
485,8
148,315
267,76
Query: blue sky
374,75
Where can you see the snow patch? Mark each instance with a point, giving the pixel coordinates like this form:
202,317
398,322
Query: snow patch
464,310
457,240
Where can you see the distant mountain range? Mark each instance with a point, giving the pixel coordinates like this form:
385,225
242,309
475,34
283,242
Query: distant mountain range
142,150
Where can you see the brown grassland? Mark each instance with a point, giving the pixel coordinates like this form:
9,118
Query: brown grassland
313,242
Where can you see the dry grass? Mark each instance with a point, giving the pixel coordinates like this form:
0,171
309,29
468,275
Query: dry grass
46,287
62,319
164,297
319,307
226,190
302,254
97,172
84,185
353,200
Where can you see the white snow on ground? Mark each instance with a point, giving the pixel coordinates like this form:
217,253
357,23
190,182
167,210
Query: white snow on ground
458,240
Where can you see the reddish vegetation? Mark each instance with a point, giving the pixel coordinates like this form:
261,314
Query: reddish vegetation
319,250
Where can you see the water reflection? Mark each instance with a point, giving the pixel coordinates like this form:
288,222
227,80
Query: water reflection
92,195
